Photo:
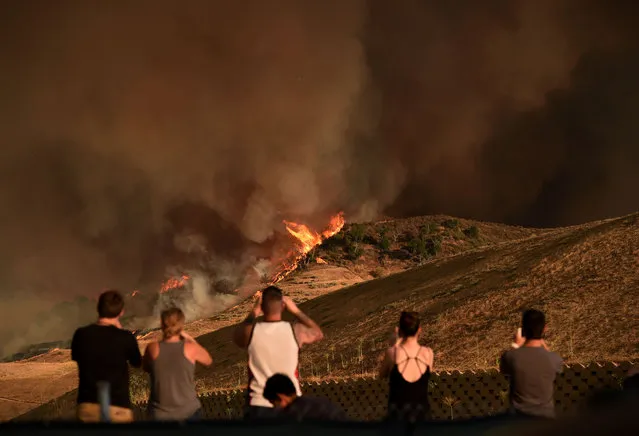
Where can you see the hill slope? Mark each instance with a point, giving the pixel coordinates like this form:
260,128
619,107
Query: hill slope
586,278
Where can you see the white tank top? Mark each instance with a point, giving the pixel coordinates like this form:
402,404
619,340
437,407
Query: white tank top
272,349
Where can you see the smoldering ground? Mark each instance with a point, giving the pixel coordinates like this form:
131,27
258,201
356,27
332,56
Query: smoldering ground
131,130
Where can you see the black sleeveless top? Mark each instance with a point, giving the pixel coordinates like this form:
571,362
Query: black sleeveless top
409,400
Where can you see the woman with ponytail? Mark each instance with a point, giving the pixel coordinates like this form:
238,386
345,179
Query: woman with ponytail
171,364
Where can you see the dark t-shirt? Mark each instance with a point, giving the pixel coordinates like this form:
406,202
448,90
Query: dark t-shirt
102,353
314,408
533,371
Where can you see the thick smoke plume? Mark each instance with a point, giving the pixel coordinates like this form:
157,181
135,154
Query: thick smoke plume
140,135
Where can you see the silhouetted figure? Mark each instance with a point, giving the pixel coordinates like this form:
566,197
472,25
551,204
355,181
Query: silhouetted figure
103,351
532,369
273,345
408,366
171,364
282,394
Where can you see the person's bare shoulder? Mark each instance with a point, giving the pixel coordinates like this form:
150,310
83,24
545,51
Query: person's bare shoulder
190,350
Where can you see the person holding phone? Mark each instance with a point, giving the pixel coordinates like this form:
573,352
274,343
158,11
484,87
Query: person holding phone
171,364
532,369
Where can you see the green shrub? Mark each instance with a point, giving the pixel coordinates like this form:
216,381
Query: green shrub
417,246
354,251
433,246
384,243
451,224
357,232
334,242
423,247
472,232
427,229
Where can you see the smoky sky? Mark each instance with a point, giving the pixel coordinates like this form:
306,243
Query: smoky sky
128,126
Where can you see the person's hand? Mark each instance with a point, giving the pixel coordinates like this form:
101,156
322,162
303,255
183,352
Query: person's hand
290,305
257,307
519,340
186,337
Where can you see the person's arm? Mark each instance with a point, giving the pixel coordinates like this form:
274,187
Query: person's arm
147,360
518,339
504,364
134,357
429,356
199,353
74,346
242,333
387,363
306,331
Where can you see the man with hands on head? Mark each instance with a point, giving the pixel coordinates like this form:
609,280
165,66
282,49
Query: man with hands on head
273,345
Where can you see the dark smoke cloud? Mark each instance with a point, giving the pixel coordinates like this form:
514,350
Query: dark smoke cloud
139,135
513,111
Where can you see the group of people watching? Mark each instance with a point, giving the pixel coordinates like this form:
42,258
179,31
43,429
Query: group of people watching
104,351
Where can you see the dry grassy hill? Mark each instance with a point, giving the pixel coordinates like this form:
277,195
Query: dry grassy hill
469,280
586,278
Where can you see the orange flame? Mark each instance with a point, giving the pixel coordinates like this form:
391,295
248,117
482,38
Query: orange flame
307,239
134,293
173,283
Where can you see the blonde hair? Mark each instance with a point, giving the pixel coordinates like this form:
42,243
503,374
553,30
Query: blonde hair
172,322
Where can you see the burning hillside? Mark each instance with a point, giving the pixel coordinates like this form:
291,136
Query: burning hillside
307,239
201,292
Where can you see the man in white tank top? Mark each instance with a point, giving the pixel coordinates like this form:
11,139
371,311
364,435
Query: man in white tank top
273,345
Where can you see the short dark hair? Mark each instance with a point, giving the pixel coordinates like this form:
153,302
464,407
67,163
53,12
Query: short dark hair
533,322
408,324
278,384
110,304
271,296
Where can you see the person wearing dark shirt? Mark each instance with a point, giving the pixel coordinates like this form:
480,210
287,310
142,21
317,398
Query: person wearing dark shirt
407,365
103,351
532,369
280,391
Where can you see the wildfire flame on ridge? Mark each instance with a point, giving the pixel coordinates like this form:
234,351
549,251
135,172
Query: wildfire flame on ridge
307,240
174,282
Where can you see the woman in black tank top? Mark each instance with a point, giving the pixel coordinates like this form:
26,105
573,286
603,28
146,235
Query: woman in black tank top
408,367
